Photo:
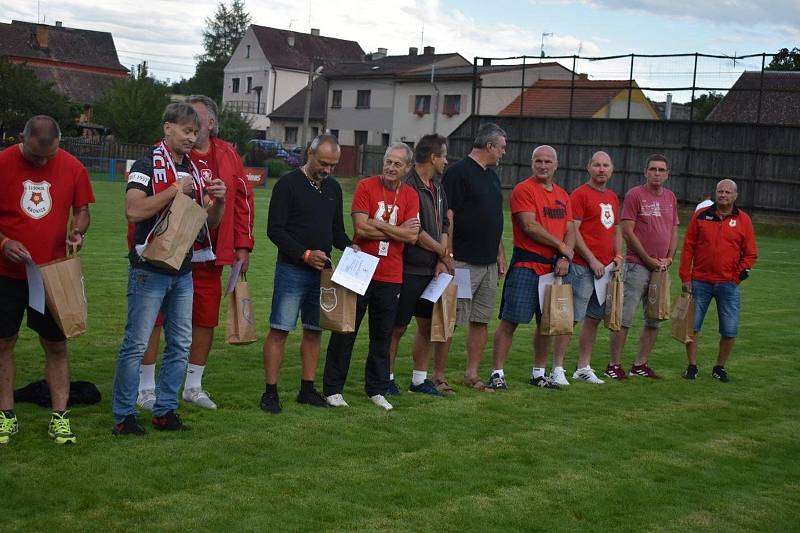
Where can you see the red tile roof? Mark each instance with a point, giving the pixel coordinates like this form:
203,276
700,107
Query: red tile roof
551,98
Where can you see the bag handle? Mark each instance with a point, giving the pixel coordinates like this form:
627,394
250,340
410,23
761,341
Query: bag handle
242,276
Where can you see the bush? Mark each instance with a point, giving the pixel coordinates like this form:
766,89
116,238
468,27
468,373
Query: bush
277,168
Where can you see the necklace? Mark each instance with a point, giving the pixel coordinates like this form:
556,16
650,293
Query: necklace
387,211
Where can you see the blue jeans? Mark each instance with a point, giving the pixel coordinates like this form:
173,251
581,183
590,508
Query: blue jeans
728,302
148,293
296,292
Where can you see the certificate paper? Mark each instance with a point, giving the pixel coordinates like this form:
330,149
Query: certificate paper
436,287
544,279
35,287
355,270
464,283
601,285
236,268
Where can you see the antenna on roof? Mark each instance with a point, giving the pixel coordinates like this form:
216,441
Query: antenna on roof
309,14
422,36
544,34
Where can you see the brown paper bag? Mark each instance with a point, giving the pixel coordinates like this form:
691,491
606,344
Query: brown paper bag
175,233
337,305
658,295
682,317
557,311
241,326
65,294
615,295
443,319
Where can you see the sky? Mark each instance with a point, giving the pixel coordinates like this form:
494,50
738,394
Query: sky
168,33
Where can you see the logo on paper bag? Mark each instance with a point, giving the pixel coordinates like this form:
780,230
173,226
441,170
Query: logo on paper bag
606,216
36,200
652,293
562,308
246,310
327,299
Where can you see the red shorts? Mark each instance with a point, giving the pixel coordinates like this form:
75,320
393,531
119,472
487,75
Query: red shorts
207,281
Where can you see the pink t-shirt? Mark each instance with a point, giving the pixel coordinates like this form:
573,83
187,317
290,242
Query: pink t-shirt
654,216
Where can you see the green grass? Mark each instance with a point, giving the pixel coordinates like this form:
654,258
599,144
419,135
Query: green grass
641,455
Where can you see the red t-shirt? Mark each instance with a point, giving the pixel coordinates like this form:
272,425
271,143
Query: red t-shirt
599,216
371,197
37,202
553,211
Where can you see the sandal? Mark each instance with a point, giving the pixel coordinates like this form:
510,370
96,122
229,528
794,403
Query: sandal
476,384
444,387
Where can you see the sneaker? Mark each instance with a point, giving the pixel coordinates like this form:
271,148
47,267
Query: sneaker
426,387
270,403
543,383
615,372
380,401
146,399
587,375
720,374
169,421
311,397
497,382
128,426
198,397
336,400
59,429
690,372
643,371
558,377
8,427
392,389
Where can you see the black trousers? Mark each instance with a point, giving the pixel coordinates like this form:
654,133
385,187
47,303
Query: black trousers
381,298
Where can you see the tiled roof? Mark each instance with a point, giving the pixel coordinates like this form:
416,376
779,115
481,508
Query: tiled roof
80,87
294,107
391,66
551,98
275,45
780,101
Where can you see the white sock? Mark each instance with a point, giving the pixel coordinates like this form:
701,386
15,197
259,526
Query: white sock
418,377
538,372
147,377
557,368
194,376
499,371
585,368
391,376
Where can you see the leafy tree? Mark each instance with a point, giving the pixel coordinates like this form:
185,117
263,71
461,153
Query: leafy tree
225,30
235,129
132,107
785,59
705,103
208,79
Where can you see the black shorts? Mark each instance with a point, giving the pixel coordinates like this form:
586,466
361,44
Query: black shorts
410,303
13,302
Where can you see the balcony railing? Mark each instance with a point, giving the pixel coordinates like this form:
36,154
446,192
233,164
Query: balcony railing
245,106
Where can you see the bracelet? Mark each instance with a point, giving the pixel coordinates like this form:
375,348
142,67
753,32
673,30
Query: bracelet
4,242
306,255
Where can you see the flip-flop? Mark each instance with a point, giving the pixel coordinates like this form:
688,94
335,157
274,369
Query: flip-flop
477,384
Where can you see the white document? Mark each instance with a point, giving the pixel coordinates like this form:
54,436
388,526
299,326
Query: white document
464,282
236,269
355,270
544,279
35,287
601,285
436,287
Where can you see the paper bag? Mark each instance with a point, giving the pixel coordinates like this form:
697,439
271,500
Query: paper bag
443,319
241,326
557,312
614,298
174,233
682,319
65,294
337,305
658,295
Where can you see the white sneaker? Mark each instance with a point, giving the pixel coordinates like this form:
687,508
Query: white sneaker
146,399
380,401
336,400
198,397
558,377
587,375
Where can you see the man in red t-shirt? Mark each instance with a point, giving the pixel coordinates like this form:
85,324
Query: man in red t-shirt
385,215
42,186
543,243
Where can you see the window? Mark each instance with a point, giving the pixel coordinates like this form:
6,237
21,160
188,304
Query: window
362,99
336,99
249,84
290,135
452,104
314,132
385,139
422,104
335,133
247,52
361,136
235,87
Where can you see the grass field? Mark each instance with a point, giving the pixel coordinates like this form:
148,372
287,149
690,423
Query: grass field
633,456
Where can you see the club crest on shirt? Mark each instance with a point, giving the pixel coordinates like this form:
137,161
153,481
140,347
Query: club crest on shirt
206,174
732,223
606,216
36,200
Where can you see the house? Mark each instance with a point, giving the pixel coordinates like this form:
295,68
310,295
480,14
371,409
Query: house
779,102
286,121
581,98
270,65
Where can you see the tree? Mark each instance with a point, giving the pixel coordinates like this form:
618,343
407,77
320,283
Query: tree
208,79
705,103
132,107
785,59
235,129
224,31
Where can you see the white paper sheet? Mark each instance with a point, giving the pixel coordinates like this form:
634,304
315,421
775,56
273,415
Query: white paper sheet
601,285
35,287
436,287
236,268
464,283
544,279
355,270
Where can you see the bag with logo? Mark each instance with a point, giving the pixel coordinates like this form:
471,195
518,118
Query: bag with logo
658,295
443,319
682,319
615,295
557,311
65,294
241,326
337,305
174,233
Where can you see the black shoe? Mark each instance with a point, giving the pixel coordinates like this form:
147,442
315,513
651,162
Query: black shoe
497,382
691,372
720,374
543,383
128,426
309,397
392,389
169,421
270,403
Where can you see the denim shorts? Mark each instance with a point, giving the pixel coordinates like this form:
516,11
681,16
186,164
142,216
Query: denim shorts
520,296
727,297
295,292
584,296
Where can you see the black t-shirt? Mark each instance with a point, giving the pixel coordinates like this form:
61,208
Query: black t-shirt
474,196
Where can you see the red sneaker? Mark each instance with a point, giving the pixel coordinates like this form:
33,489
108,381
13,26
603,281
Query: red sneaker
644,371
615,372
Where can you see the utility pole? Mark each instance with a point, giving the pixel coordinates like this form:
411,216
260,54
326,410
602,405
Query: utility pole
307,109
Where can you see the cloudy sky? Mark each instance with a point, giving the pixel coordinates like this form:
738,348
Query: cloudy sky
167,33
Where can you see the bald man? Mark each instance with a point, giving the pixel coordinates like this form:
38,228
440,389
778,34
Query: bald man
719,249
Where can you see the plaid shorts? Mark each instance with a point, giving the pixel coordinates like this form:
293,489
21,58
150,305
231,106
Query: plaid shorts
520,296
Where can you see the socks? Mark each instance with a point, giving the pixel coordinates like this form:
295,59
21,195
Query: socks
537,373
499,371
418,377
147,377
391,376
584,368
306,385
194,377
272,389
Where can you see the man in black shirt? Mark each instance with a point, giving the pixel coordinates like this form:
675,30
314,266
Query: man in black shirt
305,222
476,221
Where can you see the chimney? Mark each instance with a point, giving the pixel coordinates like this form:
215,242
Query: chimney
315,32
668,107
59,24
412,51
290,39
487,62
428,51
41,35
380,54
